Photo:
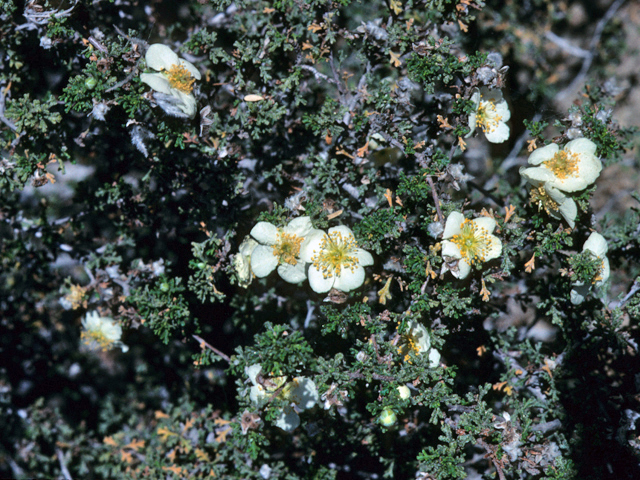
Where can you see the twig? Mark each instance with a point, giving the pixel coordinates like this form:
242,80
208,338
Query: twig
375,376
512,158
566,45
4,119
586,64
212,348
63,466
436,200
317,74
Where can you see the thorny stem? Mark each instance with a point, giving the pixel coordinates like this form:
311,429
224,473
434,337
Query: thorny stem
212,348
436,200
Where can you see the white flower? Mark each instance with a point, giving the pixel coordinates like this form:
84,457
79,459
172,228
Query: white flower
301,393
388,417
242,261
174,82
597,245
101,332
572,169
416,339
404,392
336,261
547,197
281,248
491,114
467,242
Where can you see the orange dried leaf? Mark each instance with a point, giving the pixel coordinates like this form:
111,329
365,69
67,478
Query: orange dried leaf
362,151
110,441
314,27
481,350
509,211
531,145
462,143
395,59
530,265
389,196
135,444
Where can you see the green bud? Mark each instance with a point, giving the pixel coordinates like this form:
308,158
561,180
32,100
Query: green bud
164,286
388,417
201,265
90,83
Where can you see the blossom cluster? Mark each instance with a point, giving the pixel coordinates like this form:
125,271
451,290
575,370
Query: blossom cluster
557,172
330,260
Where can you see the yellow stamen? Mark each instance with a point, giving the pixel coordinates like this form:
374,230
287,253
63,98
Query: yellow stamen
95,339
487,117
287,248
473,241
563,164
539,196
598,276
335,253
180,78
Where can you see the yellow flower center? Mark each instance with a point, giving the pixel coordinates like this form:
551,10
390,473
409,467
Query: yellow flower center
473,241
598,277
335,253
95,339
539,196
180,78
287,248
409,344
563,164
487,116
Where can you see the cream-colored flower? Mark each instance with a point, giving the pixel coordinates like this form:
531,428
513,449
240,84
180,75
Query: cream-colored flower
174,80
572,169
336,261
547,197
468,242
597,245
242,261
301,393
101,333
281,248
416,339
491,114
388,417
404,392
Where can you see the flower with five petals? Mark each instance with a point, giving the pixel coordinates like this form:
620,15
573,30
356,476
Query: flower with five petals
468,242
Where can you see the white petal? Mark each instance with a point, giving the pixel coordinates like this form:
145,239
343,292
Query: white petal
450,249
318,283
536,175
161,57
265,232
488,223
300,226
364,258
475,98
258,395
252,372
188,102
452,227
288,420
499,134
502,110
192,69
263,261
578,293
419,333
311,244
342,230
434,358
581,146
543,154
304,394
606,271
596,244
293,273
463,269
472,125
495,248
569,211
348,280
157,82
